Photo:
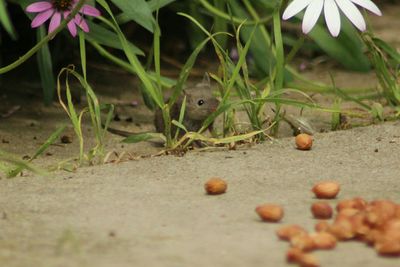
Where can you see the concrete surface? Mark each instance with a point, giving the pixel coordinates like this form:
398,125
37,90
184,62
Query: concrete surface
154,212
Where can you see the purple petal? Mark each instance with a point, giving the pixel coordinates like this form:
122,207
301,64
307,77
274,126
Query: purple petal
72,28
81,22
66,14
90,11
41,18
55,21
38,7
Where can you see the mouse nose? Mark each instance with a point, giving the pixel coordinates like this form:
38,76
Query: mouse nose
215,106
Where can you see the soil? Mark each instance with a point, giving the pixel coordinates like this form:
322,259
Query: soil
154,211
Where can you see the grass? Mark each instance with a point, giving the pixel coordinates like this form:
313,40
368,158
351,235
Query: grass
93,109
12,166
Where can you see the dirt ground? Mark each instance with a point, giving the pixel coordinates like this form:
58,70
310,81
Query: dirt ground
154,212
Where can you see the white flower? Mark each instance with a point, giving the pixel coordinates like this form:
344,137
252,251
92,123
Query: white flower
331,12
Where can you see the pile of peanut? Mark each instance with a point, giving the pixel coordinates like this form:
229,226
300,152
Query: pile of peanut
376,223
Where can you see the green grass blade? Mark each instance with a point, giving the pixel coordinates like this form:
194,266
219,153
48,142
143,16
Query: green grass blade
82,49
181,116
108,119
135,138
165,82
155,93
53,137
70,109
387,48
45,67
156,50
6,21
179,125
279,53
19,163
185,71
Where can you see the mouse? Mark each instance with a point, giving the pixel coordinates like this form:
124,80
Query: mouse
200,103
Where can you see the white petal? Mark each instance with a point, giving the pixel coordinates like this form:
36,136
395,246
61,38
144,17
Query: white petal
295,7
368,4
312,14
352,13
332,17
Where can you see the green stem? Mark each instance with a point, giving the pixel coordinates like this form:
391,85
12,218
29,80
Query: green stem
296,47
167,124
50,36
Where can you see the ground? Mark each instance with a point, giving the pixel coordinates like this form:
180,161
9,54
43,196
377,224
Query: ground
136,214
154,211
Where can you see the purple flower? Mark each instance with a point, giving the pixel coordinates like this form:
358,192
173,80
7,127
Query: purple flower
58,9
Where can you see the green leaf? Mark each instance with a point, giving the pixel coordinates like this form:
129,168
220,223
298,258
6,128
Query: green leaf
259,48
103,36
158,4
153,4
45,68
179,125
6,21
138,11
347,48
268,4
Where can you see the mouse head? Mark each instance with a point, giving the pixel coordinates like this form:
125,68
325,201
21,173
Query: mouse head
200,102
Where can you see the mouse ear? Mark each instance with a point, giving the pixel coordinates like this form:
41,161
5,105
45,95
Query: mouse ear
206,79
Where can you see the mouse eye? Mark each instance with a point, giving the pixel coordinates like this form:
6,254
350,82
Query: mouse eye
200,102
